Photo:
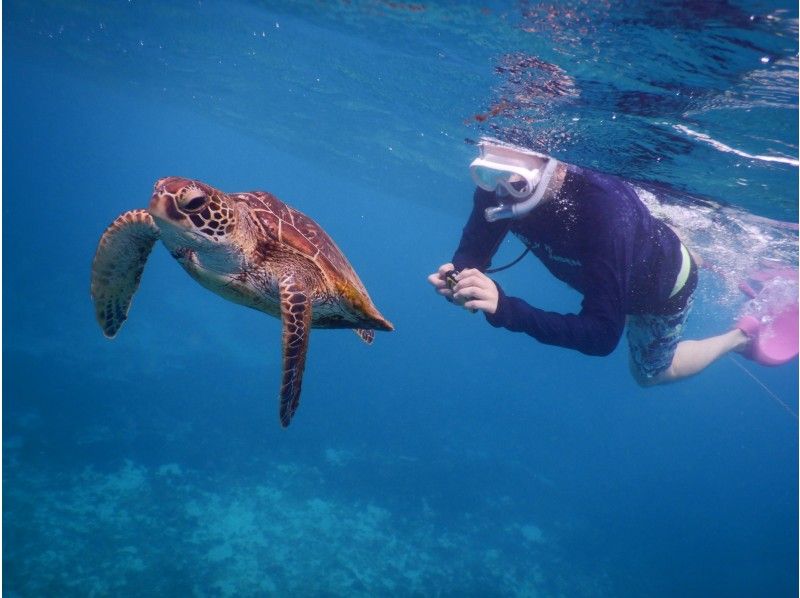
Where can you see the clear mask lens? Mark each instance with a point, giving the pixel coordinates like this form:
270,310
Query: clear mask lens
519,182
488,178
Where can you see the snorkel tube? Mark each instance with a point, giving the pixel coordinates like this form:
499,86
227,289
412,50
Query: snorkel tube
522,208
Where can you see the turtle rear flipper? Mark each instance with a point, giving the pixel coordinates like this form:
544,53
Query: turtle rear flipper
365,334
118,265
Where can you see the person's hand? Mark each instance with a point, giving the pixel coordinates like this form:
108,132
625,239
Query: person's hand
474,290
439,283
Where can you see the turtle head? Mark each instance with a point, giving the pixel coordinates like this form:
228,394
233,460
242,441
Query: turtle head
190,213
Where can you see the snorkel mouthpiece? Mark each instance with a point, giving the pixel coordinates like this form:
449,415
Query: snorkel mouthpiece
500,212
521,173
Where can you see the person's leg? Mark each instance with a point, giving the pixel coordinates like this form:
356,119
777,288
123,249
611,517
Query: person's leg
653,341
692,357
659,356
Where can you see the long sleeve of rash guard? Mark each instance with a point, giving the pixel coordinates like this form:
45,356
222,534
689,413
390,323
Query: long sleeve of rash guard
479,239
596,330
598,327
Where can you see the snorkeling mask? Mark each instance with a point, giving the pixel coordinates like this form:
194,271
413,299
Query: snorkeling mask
518,173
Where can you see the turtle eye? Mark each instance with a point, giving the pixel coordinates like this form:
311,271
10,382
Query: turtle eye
195,203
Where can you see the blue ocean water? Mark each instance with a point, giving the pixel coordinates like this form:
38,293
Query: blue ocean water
449,458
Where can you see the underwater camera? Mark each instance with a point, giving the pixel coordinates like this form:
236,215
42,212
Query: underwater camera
450,278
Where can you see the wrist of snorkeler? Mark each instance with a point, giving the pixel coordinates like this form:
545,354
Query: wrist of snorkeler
498,318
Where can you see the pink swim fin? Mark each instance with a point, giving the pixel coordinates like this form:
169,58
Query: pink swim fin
774,329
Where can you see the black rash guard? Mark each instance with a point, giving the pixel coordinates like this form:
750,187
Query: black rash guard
598,237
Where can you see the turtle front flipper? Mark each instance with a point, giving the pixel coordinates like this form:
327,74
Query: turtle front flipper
118,265
296,319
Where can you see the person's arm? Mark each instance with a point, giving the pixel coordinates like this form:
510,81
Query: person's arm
596,330
479,239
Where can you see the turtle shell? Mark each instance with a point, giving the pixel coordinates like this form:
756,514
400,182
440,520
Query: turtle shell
301,233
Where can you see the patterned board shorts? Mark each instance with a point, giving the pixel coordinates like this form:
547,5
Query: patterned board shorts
652,339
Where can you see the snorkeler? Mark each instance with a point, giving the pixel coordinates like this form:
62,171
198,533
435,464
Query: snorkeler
592,232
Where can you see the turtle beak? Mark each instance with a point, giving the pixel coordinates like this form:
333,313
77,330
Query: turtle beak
162,203
157,207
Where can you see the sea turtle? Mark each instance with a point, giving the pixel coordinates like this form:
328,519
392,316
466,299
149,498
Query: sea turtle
250,248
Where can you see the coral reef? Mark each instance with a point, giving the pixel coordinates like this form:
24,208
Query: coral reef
168,530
